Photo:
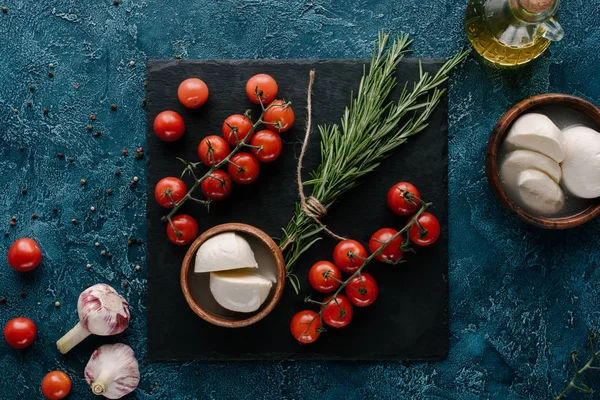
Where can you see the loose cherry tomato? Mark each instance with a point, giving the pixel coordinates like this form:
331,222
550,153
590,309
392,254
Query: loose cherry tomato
212,150
403,198
324,277
337,313
362,290
20,332
305,326
427,233
217,186
243,168
24,255
279,116
56,385
235,128
169,126
169,187
192,93
186,230
349,255
269,144
392,251
261,88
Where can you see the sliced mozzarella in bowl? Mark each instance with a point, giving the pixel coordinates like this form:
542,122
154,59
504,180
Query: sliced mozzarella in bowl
581,166
536,132
539,193
224,251
239,290
520,160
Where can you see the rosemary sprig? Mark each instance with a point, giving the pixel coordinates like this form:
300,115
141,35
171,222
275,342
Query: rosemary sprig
371,128
582,387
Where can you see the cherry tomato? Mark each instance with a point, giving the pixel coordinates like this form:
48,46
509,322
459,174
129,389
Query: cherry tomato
169,187
269,144
56,385
235,128
429,231
305,326
324,277
212,150
392,251
403,198
337,313
347,255
279,116
261,88
24,255
217,186
243,168
186,230
169,126
192,93
20,332
362,290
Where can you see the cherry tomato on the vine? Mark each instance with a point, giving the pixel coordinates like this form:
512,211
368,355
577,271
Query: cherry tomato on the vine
243,168
169,126
186,230
349,255
212,150
279,116
235,128
362,290
305,326
24,255
403,198
261,88
192,93
171,187
427,233
20,332
267,144
56,385
338,312
217,186
324,277
392,251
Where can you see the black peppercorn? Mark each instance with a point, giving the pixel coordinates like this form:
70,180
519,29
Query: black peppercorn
24,190
23,295
54,209
144,102
2,300
97,133
70,159
125,285
4,10
45,110
50,74
34,216
89,128
60,155
109,192
74,221
92,117
118,173
28,103
113,106
21,148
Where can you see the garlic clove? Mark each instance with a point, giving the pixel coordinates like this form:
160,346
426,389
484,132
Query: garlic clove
112,371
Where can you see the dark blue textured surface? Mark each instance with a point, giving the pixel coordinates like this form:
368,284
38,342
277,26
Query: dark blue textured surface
521,299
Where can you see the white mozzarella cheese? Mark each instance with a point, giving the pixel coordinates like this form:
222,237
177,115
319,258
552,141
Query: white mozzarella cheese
536,132
540,194
581,166
521,160
239,290
224,251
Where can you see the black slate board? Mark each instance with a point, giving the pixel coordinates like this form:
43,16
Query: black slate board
409,321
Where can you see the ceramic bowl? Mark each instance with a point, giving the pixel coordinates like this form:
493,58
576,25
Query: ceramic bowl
196,289
589,113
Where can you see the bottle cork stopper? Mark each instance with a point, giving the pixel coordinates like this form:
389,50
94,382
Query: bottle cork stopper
537,6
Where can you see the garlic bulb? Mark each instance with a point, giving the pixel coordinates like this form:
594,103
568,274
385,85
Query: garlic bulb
102,311
112,371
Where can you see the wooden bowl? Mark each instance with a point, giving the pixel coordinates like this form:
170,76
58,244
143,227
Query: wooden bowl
195,286
592,114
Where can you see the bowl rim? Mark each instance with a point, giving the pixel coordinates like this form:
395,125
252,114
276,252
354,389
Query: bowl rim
498,133
188,261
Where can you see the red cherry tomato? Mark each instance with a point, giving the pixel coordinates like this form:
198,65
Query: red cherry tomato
169,187
212,150
269,145
243,168
392,251
169,126
324,277
279,116
349,255
56,385
362,290
337,313
217,186
403,198
235,128
192,93
261,88
428,232
305,326
20,332
24,255
186,230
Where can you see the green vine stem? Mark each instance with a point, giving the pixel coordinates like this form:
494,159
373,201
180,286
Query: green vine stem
580,371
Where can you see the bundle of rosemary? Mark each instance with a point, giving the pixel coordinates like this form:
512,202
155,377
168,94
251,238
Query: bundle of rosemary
371,128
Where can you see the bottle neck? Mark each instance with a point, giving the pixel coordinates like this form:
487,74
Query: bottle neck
520,11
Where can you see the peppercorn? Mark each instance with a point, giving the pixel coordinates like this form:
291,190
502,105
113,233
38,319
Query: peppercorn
2,300
16,110
51,65
140,150
28,103
97,133
118,173
125,285
137,267
145,83
197,372
113,106
139,241
24,190
70,159
5,233
12,223
109,192
89,128
88,266
4,10
132,63
74,221
129,243
82,181
57,304
103,253
124,152
97,244
13,218
54,209
50,74
34,216
92,117
31,88
23,295
92,208
60,156
21,148
45,111
144,102
116,2
139,156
